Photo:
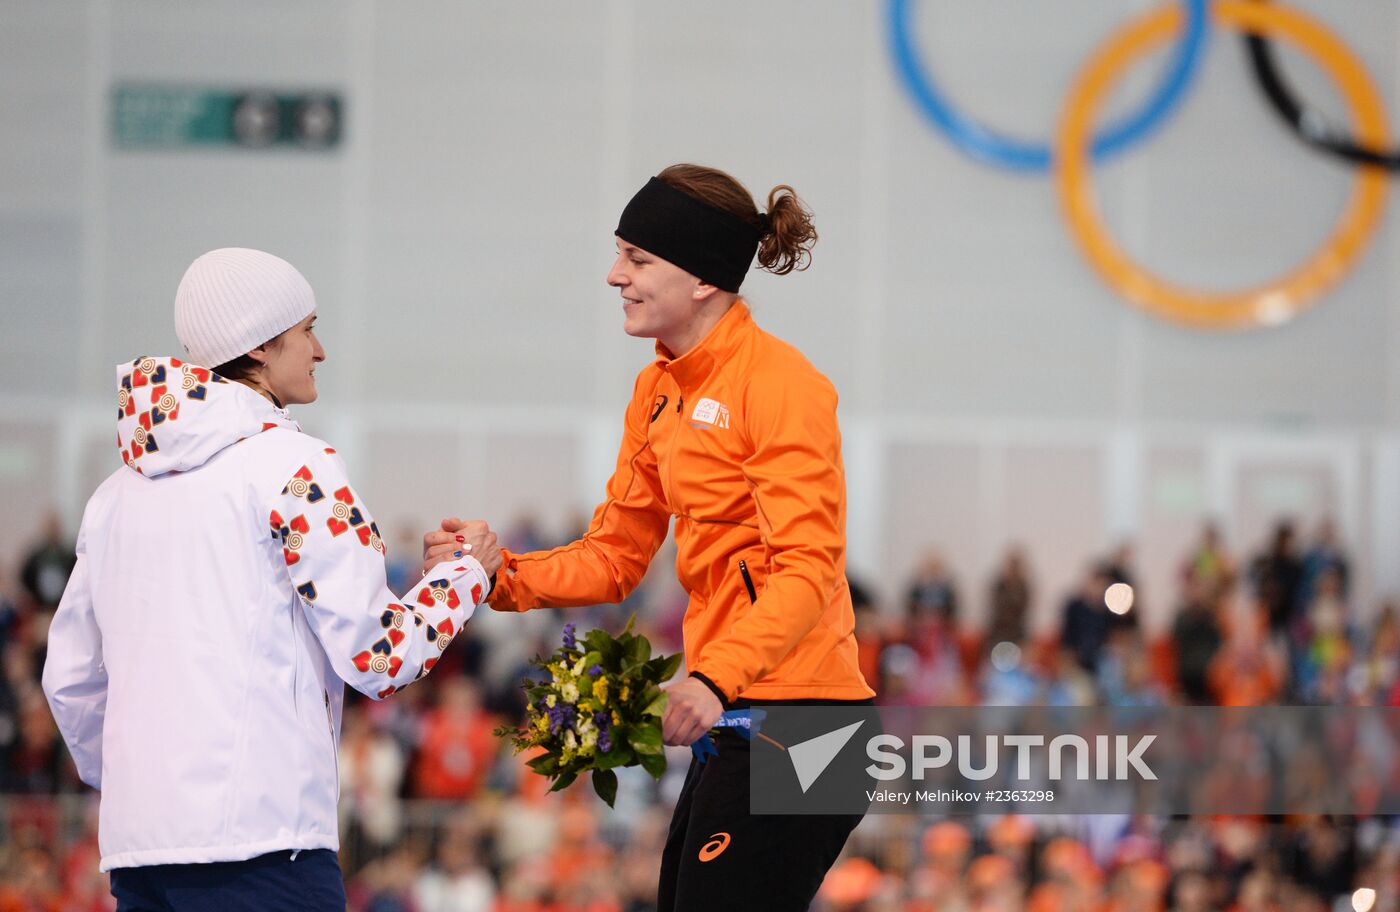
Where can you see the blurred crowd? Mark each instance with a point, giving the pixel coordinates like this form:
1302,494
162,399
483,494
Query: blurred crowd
439,816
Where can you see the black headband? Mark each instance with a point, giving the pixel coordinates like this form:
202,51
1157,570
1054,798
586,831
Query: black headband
706,242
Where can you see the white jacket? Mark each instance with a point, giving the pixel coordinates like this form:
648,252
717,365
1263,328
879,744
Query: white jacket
228,581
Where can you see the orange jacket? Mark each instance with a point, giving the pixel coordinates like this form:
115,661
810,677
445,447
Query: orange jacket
736,439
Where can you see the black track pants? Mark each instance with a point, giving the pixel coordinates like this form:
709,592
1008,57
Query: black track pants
719,858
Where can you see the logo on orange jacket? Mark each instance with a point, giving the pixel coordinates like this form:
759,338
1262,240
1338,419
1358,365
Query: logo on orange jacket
715,847
708,411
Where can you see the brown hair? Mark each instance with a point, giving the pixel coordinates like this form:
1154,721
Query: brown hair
240,368
788,236
245,366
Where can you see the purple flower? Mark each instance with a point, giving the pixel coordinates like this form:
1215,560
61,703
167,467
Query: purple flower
596,670
562,716
569,641
600,719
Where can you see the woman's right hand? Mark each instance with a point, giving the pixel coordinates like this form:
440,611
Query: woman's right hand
457,538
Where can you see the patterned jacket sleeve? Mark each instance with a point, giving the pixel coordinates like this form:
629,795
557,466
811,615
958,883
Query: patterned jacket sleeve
335,557
75,678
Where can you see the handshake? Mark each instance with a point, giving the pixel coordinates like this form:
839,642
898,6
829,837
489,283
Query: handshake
457,538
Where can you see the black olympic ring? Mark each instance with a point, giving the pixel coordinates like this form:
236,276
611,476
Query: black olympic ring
1305,123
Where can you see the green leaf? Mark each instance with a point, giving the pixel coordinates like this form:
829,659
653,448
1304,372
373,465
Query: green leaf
645,739
545,764
564,781
668,669
596,640
638,651
657,706
615,758
605,784
630,621
654,764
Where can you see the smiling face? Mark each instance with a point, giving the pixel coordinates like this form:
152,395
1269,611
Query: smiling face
289,363
662,301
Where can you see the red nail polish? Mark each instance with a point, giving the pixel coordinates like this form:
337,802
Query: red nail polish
461,538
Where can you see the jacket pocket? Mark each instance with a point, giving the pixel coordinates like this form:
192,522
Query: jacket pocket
748,580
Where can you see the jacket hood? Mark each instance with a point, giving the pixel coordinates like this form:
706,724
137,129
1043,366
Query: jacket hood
173,416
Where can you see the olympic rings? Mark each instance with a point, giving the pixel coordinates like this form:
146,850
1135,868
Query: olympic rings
1268,304
1308,127
1019,155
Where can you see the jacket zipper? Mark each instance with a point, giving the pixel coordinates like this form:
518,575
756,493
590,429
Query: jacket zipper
675,433
748,581
330,726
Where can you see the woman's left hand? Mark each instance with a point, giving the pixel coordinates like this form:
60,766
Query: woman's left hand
692,709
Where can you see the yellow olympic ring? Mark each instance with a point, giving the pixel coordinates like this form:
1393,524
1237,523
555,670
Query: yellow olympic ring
1288,295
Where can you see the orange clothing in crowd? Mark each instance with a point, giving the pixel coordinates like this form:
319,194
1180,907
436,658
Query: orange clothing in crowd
455,755
737,439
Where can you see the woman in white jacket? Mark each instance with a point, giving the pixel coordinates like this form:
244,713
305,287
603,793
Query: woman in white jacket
229,579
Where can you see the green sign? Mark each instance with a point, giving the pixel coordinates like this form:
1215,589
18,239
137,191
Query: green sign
166,116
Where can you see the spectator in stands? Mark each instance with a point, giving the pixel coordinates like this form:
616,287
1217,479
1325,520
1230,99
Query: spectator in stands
1209,569
1323,643
1277,575
932,593
1376,673
1247,671
30,882
456,881
1010,601
1069,684
1196,639
457,748
1324,555
371,774
1125,672
1086,620
47,566
35,763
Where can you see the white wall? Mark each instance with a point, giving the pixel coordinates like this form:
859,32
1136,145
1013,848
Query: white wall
993,390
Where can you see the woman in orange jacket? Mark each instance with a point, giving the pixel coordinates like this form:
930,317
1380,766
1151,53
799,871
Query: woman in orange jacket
732,433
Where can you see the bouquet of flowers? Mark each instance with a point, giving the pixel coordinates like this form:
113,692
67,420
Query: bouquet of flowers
599,709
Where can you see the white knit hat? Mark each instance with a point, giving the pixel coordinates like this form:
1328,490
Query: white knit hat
233,299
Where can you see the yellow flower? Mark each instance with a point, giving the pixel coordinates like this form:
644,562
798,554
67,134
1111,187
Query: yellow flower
616,719
626,691
542,723
600,690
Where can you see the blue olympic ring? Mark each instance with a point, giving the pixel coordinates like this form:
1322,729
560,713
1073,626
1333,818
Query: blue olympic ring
1019,155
